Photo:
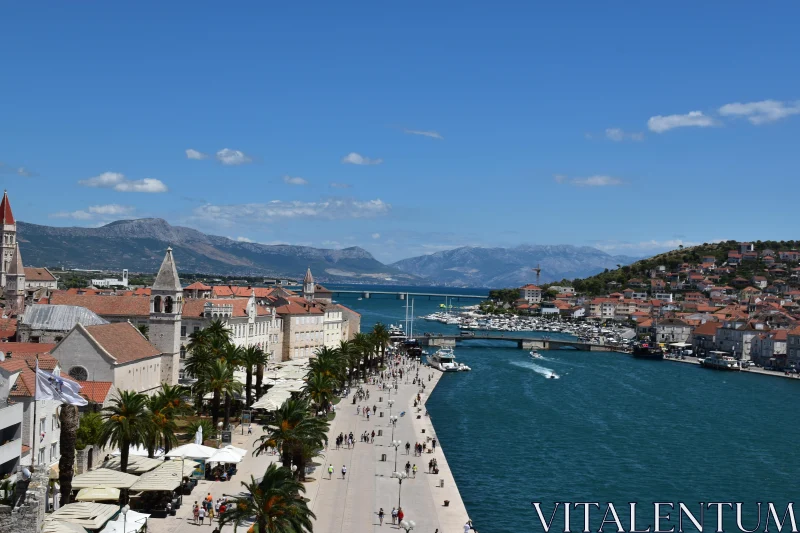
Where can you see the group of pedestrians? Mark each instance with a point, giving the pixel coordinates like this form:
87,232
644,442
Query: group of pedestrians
397,515
346,440
208,508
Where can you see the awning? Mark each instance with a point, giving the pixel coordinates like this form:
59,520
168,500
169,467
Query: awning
166,477
100,493
240,451
291,385
105,477
225,456
140,451
272,400
131,523
85,514
192,451
136,465
57,526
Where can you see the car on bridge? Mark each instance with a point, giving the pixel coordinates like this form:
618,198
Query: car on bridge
467,334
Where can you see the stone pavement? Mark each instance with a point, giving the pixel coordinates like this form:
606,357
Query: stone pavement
350,505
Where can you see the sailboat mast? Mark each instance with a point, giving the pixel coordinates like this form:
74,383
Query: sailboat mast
411,334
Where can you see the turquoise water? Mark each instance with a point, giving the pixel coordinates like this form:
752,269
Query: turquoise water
610,429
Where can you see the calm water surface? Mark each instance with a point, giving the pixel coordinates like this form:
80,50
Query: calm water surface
610,429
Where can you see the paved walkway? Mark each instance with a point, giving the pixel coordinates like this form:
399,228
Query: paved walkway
350,505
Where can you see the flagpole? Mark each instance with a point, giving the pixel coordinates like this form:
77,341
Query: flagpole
35,423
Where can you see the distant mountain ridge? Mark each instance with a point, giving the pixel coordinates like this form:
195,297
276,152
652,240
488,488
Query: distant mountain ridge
139,245
510,267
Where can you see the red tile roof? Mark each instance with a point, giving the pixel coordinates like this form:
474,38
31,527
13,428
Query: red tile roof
95,391
530,287
38,274
8,327
197,286
105,305
221,290
122,341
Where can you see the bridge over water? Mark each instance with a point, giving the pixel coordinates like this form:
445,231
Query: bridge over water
523,343
402,295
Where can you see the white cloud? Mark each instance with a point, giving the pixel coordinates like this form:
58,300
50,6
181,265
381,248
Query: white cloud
227,156
591,181
194,154
243,239
340,185
358,159
761,112
660,124
646,247
619,135
94,212
19,171
118,182
294,180
431,134
330,209
376,235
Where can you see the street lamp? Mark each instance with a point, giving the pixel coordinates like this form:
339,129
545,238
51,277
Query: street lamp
219,433
399,476
124,512
391,403
396,444
393,422
408,525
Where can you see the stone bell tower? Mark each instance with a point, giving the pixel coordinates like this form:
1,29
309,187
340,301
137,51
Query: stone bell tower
8,237
166,305
308,286
14,290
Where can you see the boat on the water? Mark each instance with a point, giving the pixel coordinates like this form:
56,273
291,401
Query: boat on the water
647,350
720,361
536,355
445,360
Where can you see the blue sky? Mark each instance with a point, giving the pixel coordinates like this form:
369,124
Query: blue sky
407,128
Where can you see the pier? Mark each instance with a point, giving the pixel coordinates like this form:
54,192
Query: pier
523,343
403,295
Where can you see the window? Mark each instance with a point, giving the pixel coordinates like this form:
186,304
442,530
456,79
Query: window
42,425
79,373
53,451
183,352
183,331
157,304
168,304
41,456
54,423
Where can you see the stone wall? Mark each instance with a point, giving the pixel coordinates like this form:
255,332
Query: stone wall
28,515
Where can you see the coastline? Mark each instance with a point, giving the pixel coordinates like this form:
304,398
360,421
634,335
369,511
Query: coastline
455,515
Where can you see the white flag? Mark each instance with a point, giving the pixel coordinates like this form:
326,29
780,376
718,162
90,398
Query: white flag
198,437
52,387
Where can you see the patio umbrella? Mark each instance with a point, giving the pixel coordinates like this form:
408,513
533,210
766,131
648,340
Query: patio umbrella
272,400
100,493
240,451
192,451
225,456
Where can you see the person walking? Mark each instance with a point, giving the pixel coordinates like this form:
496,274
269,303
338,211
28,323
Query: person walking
408,447
433,443
394,515
330,471
414,469
408,468
400,515
201,514
380,515
344,471
195,512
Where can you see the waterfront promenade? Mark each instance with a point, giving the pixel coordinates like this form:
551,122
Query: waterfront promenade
351,504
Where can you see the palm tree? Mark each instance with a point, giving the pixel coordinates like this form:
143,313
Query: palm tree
68,417
125,423
351,357
294,431
144,329
251,358
217,331
208,429
319,388
274,504
219,380
162,408
381,335
330,362
260,373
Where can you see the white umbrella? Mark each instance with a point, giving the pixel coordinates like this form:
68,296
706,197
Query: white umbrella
272,400
225,456
294,385
240,451
192,451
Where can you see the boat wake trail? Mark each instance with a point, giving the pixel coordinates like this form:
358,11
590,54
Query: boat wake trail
544,371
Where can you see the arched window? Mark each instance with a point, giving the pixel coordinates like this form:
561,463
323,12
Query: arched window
79,373
168,304
157,304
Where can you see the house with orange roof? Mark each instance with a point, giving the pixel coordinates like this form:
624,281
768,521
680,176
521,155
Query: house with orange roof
531,293
769,349
704,336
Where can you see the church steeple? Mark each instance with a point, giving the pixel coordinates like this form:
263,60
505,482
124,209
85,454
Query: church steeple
14,289
166,307
8,237
308,286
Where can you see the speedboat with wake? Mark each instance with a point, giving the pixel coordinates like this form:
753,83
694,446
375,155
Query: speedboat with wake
536,355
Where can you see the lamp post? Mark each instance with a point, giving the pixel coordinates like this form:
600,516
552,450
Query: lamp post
124,512
399,476
408,525
393,422
396,444
219,433
391,403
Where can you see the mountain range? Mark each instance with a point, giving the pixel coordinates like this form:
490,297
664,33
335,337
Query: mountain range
139,246
510,267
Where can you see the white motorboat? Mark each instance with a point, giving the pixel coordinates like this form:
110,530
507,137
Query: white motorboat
536,355
443,359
